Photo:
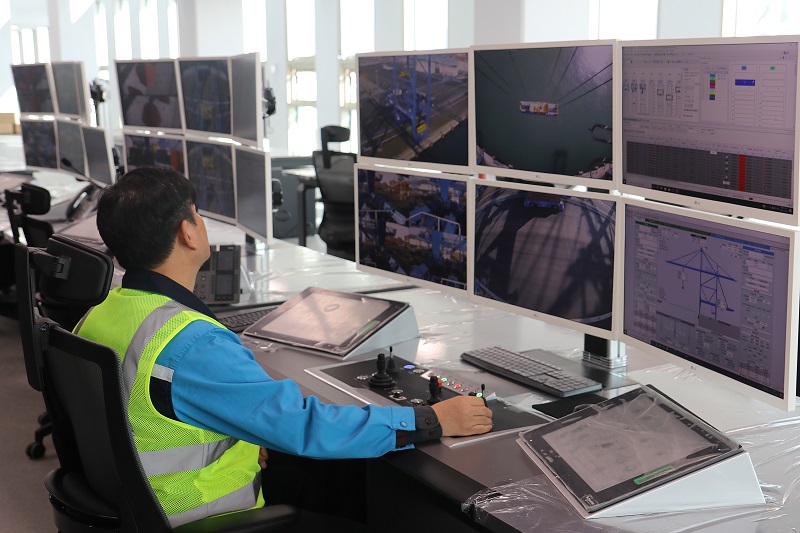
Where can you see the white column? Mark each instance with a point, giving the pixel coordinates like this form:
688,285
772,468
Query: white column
8,101
565,20
388,25
111,110
163,28
499,21
219,28
327,62
460,23
136,34
187,27
689,18
278,124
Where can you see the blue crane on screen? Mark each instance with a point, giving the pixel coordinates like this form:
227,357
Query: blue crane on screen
712,293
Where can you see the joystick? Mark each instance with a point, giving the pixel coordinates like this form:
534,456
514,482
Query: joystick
381,379
391,365
435,388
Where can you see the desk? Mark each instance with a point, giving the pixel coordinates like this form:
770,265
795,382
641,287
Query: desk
307,181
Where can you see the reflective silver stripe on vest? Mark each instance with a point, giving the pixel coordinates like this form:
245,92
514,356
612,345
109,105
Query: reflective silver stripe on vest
184,458
147,329
239,500
163,373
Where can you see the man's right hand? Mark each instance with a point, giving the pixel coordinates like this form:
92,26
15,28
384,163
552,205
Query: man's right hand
463,415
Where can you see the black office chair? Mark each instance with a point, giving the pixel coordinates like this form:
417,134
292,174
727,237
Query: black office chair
28,200
100,485
335,178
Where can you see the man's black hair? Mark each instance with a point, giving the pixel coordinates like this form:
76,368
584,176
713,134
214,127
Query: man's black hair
138,217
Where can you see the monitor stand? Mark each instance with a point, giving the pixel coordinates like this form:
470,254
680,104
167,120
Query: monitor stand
604,352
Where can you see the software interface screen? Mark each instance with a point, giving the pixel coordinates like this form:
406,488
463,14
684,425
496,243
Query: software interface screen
211,172
414,107
712,121
545,110
546,252
413,226
206,95
161,152
252,211
149,94
710,293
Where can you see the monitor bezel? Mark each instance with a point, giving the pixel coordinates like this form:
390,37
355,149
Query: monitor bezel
178,86
83,91
403,164
259,141
50,86
405,277
792,300
139,133
720,206
545,177
229,146
268,206
204,133
616,298
63,120
112,170
52,121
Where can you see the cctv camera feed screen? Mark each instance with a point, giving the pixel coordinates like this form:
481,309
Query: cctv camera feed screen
34,93
149,94
156,151
413,226
252,209
39,143
246,100
70,147
211,172
414,107
98,156
545,110
547,252
206,95
71,87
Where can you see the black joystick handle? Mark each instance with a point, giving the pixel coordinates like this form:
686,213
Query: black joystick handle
391,365
381,379
435,389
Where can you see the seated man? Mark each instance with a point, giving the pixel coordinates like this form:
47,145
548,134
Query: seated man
200,406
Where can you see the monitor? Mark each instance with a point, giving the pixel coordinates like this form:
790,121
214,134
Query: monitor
164,151
545,112
546,252
253,192
39,143
34,85
248,126
715,294
99,161
711,124
206,89
149,94
71,153
412,109
413,226
210,169
72,88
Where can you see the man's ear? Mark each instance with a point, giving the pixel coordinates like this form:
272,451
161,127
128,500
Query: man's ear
187,234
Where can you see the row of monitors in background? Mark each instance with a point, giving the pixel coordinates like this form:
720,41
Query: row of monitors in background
232,182
709,124
701,289
210,96
58,88
70,146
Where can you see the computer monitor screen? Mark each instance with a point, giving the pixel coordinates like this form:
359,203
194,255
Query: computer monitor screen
34,88
155,151
246,83
547,253
712,126
210,169
72,88
253,192
99,162
39,143
413,108
206,88
712,292
546,112
71,154
149,94
413,226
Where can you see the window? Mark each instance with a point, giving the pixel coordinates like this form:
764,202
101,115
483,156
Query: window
301,81
29,44
622,19
357,27
300,29
122,30
172,29
148,29
101,35
766,17
254,24
425,24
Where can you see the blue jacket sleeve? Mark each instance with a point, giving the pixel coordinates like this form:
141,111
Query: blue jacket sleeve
218,385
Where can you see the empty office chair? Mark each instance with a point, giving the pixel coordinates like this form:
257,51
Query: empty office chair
100,485
28,200
335,177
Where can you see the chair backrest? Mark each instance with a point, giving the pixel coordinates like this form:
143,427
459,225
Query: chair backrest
37,232
28,200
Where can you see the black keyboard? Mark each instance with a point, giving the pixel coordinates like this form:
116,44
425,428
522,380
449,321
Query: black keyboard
238,322
530,371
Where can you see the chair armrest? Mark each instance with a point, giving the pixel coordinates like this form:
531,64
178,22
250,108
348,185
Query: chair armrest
267,519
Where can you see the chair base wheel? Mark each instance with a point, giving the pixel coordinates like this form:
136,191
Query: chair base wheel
35,450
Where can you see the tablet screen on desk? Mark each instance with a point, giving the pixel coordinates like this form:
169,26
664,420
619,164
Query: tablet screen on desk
330,321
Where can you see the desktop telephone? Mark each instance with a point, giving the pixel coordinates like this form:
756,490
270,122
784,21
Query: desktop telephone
217,281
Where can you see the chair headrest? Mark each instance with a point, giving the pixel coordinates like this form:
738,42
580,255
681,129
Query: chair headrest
89,277
334,134
34,200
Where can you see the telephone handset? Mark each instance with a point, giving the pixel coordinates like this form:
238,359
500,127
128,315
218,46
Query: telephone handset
218,280
83,202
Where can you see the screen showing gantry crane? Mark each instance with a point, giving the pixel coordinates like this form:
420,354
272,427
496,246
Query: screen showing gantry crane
714,122
413,225
414,107
546,251
545,111
710,293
